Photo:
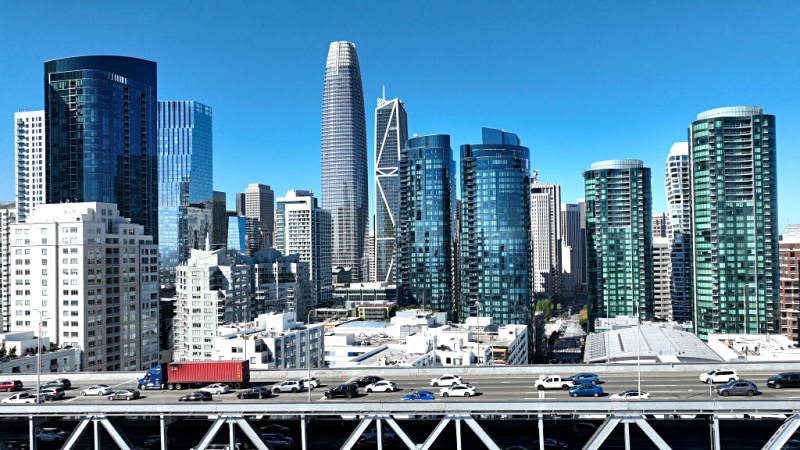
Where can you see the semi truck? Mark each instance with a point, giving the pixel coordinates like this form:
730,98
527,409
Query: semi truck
187,374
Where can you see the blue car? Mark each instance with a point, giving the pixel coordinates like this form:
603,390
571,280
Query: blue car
586,390
419,395
585,378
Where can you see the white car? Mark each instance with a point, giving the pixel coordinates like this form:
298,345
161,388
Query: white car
462,390
630,394
719,376
288,386
24,397
97,389
381,386
216,388
313,383
445,380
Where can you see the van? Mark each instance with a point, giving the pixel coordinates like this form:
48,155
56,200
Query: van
10,385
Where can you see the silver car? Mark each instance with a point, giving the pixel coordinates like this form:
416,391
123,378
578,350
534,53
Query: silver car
740,387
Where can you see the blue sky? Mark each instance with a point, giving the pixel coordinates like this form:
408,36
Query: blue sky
579,82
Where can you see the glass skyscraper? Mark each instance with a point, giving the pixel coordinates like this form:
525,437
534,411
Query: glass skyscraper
678,188
495,223
186,172
391,133
100,133
344,159
619,240
734,221
426,217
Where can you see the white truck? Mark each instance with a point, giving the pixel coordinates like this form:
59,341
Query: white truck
553,382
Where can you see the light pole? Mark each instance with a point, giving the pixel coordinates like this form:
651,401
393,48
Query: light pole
308,350
38,356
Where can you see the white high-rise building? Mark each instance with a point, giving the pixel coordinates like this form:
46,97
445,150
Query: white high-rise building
305,229
91,277
677,185
546,240
280,284
260,204
662,304
30,168
8,216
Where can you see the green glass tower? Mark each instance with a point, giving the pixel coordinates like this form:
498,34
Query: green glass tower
619,239
734,221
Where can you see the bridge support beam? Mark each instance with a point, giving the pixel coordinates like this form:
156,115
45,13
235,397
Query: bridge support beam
715,445
231,421
97,421
783,433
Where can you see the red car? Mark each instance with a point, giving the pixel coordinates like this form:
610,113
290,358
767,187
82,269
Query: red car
10,385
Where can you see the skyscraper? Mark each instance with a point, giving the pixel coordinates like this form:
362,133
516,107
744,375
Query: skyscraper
495,219
619,240
662,304
546,240
425,220
573,250
260,205
790,282
734,221
303,228
660,224
30,174
677,186
241,202
100,134
344,158
391,133
186,172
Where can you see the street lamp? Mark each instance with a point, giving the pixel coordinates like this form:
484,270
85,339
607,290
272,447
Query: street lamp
308,349
39,356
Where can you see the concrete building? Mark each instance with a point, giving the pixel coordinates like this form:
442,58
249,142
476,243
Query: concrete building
260,205
24,345
790,282
91,277
8,216
660,224
30,161
546,240
754,348
662,303
281,284
364,292
677,185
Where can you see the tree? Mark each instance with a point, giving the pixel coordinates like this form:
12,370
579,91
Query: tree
583,316
3,351
546,307
13,352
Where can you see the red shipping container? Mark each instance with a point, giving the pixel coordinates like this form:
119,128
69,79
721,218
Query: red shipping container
231,372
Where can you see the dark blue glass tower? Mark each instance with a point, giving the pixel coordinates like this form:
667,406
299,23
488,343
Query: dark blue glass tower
425,223
186,171
495,217
100,130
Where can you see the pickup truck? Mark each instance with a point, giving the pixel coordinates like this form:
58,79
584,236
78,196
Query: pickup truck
25,397
553,382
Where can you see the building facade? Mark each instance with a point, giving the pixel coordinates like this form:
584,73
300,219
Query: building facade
344,159
660,224
734,222
546,241
186,172
100,134
573,253
426,217
662,303
619,246
679,230
790,282
30,163
8,217
391,134
495,224
91,277
260,205
281,284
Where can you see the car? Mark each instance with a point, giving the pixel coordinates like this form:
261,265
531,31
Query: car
24,397
458,390
584,429
738,387
277,441
630,394
10,385
154,441
445,380
60,382
255,392
288,386
125,394
348,390
51,435
382,386
389,440
216,388
275,428
314,382
719,376
584,378
53,393
419,395
97,389
219,446
586,390
197,396
784,380
367,380
551,444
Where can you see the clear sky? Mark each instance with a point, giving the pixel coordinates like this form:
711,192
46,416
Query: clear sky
579,82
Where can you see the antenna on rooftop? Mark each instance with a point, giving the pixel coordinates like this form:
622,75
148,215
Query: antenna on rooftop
384,92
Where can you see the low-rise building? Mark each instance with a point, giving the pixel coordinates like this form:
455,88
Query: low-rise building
20,355
754,348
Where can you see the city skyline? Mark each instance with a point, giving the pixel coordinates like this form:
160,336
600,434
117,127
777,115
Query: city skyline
608,67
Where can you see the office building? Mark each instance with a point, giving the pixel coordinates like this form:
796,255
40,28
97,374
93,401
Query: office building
734,222
344,159
91,277
186,172
677,185
790,282
572,250
8,216
662,303
391,134
660,224
260,205
619,240
244,236
426,216
100,134
546,241
30,163
303,228
371,256
219,220
241,202
495,224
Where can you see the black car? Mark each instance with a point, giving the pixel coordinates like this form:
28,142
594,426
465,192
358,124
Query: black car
784,380
348,390
198,396
255,392
369,379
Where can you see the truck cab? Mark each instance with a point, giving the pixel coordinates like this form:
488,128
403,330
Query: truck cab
152,379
